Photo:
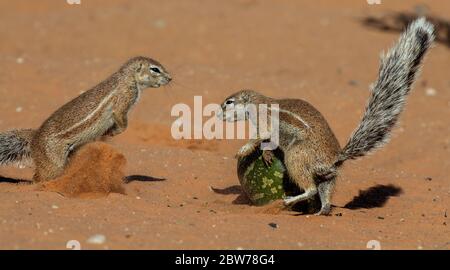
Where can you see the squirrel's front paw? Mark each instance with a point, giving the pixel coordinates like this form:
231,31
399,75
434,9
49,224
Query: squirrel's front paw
113,131
110,132
245,151
267,157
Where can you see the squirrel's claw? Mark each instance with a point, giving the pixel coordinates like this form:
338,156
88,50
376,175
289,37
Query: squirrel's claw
267,157
324,211
289,201
245,151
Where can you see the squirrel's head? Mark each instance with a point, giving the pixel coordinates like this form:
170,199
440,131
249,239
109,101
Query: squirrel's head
147,72
236,106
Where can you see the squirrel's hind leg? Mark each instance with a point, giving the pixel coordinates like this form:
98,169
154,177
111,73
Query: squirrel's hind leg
326,189
308,194
50,162
297,163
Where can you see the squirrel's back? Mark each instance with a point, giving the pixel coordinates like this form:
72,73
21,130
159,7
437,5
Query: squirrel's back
315,130
81,107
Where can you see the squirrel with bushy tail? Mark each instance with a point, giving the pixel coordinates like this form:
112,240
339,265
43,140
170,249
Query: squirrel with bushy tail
312,154
99,112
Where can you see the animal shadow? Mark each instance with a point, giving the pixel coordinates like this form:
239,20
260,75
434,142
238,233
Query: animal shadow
13,181
234,190
142,178
397,22
373,197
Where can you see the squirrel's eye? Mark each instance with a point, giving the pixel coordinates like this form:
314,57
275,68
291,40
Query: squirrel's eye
155,69
229,102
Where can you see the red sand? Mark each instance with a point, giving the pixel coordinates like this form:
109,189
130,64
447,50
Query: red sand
96,170
50,51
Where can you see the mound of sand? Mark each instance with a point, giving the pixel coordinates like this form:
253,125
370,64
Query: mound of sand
95,170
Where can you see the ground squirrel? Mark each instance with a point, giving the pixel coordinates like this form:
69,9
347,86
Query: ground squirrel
100,111
312,154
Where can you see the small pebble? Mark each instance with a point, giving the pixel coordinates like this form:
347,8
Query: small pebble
97,239
353,83
431,92
55,206
20,60
273,225
19,109
160,24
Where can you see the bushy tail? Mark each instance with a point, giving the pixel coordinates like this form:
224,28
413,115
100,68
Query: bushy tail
396,75
15,146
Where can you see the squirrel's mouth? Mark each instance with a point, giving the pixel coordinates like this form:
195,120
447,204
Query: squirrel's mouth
223,115
162,82
228,115
156,85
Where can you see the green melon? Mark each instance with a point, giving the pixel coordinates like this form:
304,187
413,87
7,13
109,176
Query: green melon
264,184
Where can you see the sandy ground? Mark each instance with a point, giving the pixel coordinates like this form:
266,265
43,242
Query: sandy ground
185,195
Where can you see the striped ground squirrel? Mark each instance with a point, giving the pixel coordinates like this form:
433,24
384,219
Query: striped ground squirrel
100,111
312,154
